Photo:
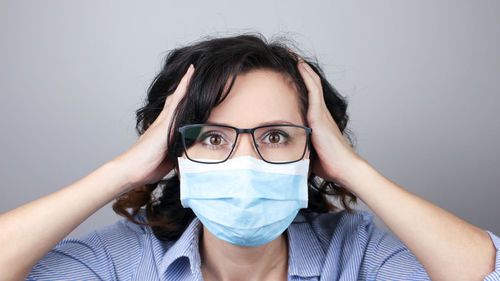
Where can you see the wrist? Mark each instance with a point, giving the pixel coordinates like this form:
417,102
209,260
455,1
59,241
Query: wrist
117,177
359,176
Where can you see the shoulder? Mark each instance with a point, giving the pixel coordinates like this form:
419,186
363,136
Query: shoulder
117,238
123,242
123,232
109,253
353,243
342,224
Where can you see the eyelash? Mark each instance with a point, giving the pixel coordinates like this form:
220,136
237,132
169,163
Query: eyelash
281,133
207,135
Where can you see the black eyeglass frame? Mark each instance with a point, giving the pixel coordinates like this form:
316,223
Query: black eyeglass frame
245,131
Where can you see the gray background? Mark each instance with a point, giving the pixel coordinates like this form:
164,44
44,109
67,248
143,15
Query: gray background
420,77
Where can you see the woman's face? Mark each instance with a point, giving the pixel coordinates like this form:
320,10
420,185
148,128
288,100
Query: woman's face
259,97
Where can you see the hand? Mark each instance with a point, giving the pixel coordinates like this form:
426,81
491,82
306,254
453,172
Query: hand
336,161
145,161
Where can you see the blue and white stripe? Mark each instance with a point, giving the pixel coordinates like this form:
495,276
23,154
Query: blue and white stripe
330,246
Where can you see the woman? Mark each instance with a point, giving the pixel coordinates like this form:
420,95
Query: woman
254,140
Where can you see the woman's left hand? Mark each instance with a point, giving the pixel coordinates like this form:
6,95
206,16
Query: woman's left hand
441,234
336,160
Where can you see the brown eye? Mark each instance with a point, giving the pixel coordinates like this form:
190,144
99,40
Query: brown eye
215,140
274,138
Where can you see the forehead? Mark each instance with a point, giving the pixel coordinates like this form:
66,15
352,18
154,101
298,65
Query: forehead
258,97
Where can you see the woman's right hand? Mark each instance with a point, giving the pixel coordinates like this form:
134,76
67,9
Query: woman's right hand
30,231
145,161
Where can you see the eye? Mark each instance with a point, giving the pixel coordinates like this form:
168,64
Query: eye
212,139
275,137
215,140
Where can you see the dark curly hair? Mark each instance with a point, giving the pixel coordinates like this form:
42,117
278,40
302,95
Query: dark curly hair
216,60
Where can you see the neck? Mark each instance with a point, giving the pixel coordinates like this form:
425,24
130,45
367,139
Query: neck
223,261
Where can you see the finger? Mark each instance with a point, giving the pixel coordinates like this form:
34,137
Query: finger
172,100
311,72
181,88
176,97
293,53
314,88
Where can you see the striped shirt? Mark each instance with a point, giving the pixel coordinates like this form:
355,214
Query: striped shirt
328,246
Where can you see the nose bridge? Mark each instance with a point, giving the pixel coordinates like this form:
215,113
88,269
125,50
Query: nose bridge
244,146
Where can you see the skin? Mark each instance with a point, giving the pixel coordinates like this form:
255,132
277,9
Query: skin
255,98
431,233
30,231
434,235
262,96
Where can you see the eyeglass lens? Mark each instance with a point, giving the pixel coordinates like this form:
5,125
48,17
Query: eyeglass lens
275,144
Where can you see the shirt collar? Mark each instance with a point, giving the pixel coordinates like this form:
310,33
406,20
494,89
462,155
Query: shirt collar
185,246
305,257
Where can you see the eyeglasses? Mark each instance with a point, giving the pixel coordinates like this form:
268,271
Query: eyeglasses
214,143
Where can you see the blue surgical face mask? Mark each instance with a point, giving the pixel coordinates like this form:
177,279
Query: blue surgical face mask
244,201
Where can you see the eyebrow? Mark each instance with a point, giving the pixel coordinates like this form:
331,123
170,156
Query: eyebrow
273,122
